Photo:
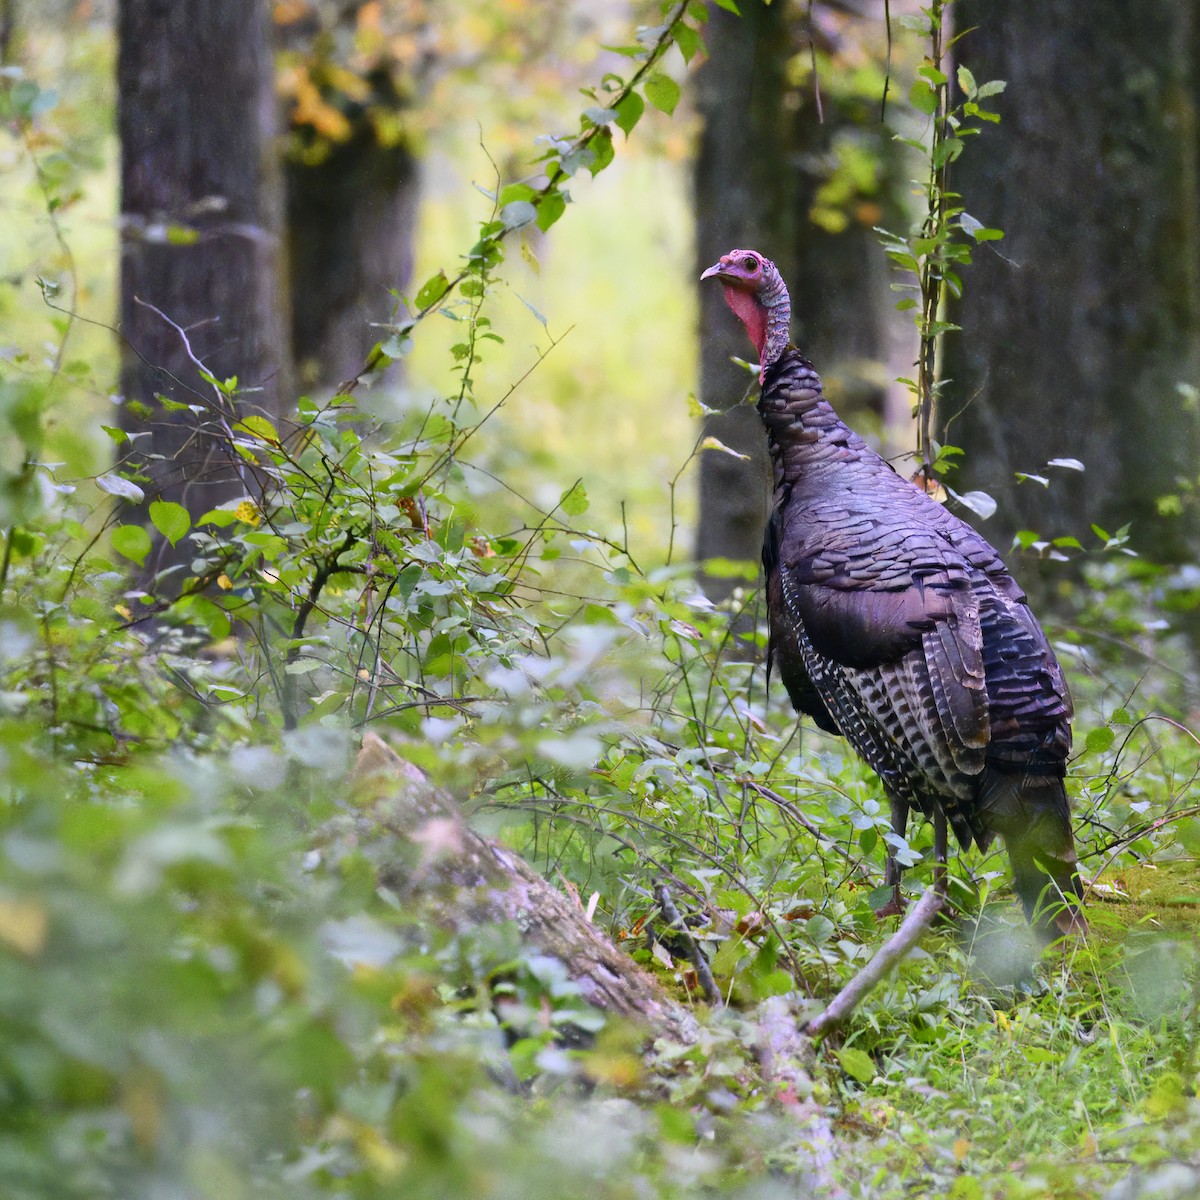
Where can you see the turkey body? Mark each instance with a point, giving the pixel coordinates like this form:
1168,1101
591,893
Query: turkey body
896,625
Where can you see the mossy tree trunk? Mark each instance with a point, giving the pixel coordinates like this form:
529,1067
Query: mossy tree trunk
1081,329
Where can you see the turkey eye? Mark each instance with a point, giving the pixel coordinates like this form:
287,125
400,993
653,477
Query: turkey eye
750,263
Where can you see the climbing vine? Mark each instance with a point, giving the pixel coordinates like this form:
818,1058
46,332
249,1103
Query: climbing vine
619,102
931,255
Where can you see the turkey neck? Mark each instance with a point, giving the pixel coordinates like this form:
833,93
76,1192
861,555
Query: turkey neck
804,434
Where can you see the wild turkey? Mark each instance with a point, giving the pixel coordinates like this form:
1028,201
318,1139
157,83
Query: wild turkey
897,625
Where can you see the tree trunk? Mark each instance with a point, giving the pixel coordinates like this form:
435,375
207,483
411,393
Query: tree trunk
352,177
765,158
744,197
350,226
1081,329
201,212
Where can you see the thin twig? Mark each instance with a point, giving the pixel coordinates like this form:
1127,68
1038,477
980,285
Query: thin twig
887,69
222,405
699,963
321,576
918,920
7,562
793,811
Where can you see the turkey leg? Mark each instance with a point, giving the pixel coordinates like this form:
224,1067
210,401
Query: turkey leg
892,872
939,852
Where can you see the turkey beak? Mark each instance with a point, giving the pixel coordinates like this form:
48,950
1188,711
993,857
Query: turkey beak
715,270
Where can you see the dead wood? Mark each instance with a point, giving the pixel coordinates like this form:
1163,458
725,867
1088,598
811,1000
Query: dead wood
465,880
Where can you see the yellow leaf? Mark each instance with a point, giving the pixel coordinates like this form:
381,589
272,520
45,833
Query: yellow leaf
259,427
142,1101
224,582
528,255
288,12
387,1159
617,1070
961,1146
248,512
23,925
347,82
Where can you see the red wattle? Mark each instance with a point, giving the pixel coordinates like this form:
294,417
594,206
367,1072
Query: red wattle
750,312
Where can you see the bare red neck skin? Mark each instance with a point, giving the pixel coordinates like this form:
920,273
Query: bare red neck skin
747,308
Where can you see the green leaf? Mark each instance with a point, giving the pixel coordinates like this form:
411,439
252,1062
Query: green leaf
602,147
923,98
663,92
432,290
202,612
688,41
994,88
303,666
258,427
553,205
1098,740
508,193
856,1063
219,517
819,929
118,435
966,81
114,485
132,541
629,112
626,51
947,151
170,519
519,214
574,501
729,6
966,1187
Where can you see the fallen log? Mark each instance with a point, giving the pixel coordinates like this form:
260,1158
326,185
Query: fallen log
464,880
460,879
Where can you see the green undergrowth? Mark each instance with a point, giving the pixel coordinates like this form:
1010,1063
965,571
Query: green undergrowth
207,990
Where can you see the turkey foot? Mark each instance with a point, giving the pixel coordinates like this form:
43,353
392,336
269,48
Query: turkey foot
891,876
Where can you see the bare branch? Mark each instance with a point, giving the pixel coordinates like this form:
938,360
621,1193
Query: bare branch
699,963
895,948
